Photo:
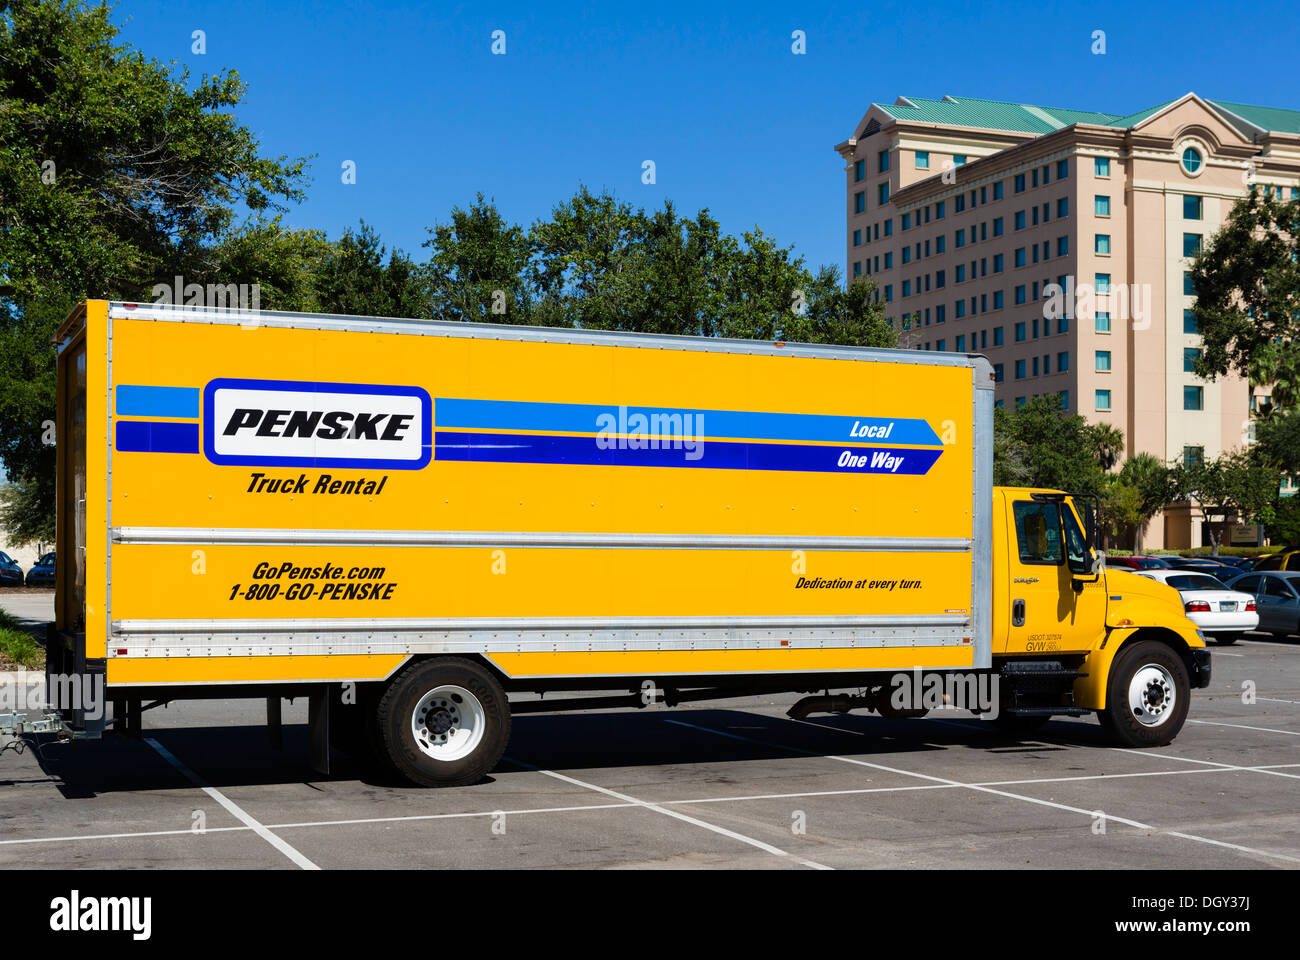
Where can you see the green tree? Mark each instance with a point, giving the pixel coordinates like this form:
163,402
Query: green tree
1041,445
352,277
1233,487
1141,490
1247,283
116,173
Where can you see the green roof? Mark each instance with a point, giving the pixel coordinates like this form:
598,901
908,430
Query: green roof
1269,118
1025,118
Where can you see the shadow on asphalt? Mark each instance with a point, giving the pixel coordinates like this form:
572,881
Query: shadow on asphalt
242,755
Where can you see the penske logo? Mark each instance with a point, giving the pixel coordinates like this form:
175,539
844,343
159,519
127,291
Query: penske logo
301,423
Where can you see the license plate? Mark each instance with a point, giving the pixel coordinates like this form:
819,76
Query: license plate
1227,606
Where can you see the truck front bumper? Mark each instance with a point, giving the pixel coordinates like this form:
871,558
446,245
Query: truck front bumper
1198,667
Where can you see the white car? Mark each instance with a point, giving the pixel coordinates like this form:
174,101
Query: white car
1221,613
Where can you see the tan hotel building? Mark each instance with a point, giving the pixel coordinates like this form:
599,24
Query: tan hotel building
965,211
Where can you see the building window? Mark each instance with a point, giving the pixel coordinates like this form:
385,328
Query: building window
940,277
1020,402
889,293
1101,243
997,336
940,345
939,243
939,209
997,263
1101,206
889,226
882,194
1036,367
889,260
907,254
959,274
1101,283
907,285
859,170
959,203
997,226
1189,289
1103,361
1033,177
1190,356
906,224
1065,399
958,159
1192,160
857,238
1102,400
1062,169
884,161
1020,219
1101,166
1189,322
857,268
1020,369
997,299
1193,398
1191,244
1101,322
1193,456
1020,294
1020,256
1062,207
1020,183
939,312
923,159
1063,361
1193,207
997,190
961,343
859,202
1062,246
960,237
998,374
1020,331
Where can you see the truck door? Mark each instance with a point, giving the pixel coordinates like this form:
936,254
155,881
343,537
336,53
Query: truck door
1047,549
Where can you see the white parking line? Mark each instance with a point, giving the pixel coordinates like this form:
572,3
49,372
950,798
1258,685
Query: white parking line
767,847
233,808
983,789
1276,700
1242,726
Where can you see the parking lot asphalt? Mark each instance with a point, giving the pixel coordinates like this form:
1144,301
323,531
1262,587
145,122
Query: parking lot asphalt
734,784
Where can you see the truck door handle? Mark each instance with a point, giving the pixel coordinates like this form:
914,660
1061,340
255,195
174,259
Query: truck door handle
1017,613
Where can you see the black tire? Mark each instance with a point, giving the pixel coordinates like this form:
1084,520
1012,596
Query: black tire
1119,719
1017,726
1225,639
446,716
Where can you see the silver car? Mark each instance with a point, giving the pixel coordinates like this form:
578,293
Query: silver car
1277,599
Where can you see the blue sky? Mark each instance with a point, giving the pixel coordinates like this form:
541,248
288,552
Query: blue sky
712,93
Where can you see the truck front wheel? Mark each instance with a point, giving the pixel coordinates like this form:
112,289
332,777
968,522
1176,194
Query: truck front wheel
1147,695
444,722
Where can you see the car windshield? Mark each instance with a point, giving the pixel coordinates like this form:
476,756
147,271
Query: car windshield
47,560
1194,581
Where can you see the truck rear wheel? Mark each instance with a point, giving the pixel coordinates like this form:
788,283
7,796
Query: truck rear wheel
1147,695
444,722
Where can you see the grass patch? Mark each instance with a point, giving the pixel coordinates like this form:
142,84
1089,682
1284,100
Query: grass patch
19,649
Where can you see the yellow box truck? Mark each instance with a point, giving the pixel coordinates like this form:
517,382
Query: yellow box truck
410,521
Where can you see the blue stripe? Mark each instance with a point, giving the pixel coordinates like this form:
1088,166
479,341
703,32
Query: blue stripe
144,436
595,418
713,454
135,400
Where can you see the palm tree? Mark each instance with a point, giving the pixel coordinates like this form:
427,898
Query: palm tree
1107,443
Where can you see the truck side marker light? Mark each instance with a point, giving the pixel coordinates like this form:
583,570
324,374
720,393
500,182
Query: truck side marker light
122,652
1117,598
965,639
1125,623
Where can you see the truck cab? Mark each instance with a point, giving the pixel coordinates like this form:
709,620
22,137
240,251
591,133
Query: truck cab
1072,636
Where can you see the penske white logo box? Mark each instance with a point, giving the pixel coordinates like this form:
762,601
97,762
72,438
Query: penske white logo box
301,423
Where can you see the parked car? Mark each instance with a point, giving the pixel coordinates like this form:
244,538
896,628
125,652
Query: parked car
42,572
11,575
1138,563
1222,614
1241,563
1209,565
1286,560
1277,598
